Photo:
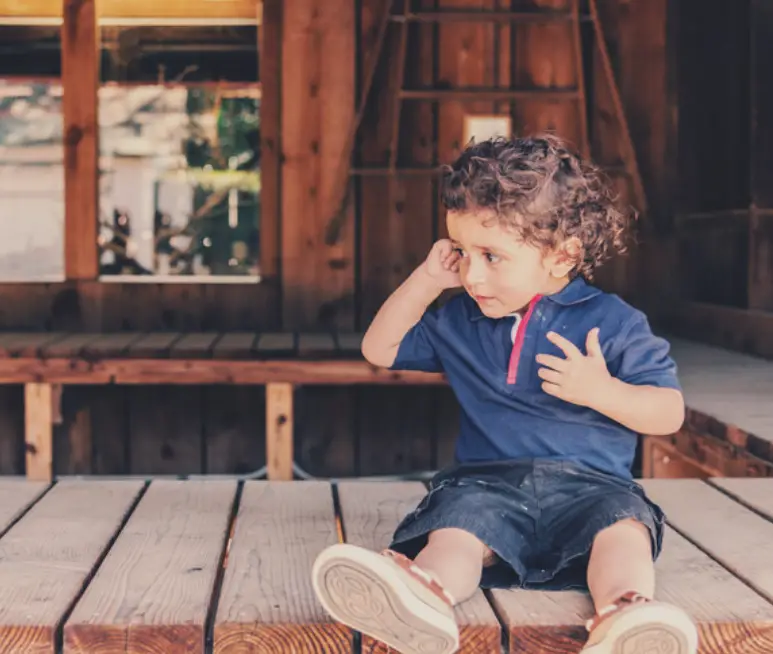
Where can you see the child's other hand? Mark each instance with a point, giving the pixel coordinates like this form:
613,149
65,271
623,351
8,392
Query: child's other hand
579,379
442,265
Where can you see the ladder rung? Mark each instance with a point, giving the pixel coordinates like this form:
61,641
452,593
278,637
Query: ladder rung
488,94
485,16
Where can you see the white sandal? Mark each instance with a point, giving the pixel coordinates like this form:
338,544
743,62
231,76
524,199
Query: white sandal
386,596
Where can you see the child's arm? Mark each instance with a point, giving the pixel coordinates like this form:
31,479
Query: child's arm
405,307
646,410
586,381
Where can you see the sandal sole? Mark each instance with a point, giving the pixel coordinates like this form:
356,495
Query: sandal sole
364,591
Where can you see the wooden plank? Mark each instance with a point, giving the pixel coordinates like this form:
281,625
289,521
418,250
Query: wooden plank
38,430
370,513
279,430
16,495
26,344
350,343
47,557
326,429
732,328
730,533
73,437
12,449
316,344
80,81
730,617
318,107
395,430
69,347
153,345
193,372
267,603
234,429
178,9
728,396
153,590
194,346
270,67
754,493
165,430
110,345
110,424
235,345
273,344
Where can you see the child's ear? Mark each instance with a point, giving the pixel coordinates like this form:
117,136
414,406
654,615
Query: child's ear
566,257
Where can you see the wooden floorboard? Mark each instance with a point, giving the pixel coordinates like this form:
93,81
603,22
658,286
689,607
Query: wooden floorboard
16,495
154,589
47,556
733,535
267,603
370,513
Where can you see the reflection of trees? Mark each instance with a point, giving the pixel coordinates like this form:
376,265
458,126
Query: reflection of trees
222,165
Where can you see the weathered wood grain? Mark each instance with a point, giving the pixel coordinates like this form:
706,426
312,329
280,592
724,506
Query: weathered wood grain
48,555
267,604
153,591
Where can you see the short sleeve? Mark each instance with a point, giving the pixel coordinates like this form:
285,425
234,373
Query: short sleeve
418,350
644,359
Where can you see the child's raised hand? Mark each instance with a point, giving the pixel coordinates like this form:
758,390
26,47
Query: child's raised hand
579,379
442,265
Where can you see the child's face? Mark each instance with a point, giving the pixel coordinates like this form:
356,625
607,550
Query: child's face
498,270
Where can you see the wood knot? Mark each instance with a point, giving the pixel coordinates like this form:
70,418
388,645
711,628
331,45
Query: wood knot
31,448
281,420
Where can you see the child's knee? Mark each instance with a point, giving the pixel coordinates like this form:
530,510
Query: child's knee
628,533
463,542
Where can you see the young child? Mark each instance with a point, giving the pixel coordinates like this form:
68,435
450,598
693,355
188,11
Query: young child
555,379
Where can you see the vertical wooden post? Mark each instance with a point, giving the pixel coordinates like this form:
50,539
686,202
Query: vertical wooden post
39,416
80,81
279,430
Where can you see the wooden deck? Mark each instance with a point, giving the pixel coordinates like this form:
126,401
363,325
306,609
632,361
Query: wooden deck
213,566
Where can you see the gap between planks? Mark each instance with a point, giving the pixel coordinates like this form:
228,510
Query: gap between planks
341,530
59,635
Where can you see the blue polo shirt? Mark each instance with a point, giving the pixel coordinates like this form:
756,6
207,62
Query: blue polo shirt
505,414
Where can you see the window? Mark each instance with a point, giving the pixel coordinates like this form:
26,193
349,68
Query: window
179,121
31,155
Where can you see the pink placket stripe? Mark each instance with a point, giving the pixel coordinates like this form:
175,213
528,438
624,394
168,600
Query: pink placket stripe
515,354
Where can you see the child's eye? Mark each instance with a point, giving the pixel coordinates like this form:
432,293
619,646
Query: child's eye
459,251
492,258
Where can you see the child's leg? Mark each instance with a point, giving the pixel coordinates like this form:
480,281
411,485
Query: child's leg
406,604
621,579
455,558
621,561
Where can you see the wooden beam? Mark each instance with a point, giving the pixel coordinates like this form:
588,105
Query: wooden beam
318,107
270,64
80,81
279,431
39,430
203,371
151,9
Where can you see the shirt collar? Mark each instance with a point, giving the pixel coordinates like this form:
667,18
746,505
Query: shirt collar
575,292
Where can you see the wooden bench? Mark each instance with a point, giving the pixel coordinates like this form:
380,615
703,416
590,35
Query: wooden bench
729,430
216,566
46,362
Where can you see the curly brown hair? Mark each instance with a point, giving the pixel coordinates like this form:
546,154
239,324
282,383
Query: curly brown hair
544,192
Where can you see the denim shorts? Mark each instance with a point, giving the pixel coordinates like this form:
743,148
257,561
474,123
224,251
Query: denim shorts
538,516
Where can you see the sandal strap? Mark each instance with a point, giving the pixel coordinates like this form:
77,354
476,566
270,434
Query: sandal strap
631,597
420,575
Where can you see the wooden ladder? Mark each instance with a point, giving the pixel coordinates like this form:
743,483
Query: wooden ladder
576,95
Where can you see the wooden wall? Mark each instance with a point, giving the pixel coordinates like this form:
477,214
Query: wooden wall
330,260
723,204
